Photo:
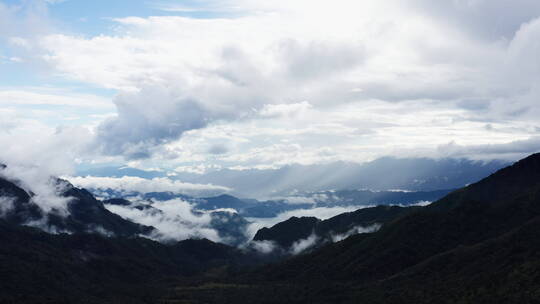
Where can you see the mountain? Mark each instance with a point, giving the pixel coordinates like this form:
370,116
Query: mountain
295,229
415,174
269,209
229,225
16,206
478,244
119,171
84,212
365,218
308,200
222,201
487,209
369,197
37,267
286,233
343,198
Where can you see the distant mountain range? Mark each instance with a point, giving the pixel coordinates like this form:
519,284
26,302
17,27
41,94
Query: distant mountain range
271,208
415,174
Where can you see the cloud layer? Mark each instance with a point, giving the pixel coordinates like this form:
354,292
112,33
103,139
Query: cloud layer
259,84
130,184
173,219
47,191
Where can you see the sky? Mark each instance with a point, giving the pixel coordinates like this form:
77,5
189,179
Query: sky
203,84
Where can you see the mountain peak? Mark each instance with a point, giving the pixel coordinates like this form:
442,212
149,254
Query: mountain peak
502,187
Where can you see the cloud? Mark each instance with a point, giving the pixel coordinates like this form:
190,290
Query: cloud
140,125
26,18
420,203
127,184
6,205
198,169
511,150
55,1
300,81
171,89
300,199
43,224
47,191
285,110
304,244
265,247
483,18
355,230
314,59
32,143
218,149
58,98
174,220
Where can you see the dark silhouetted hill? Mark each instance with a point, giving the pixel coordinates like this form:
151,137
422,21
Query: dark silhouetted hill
37,267
84,212
286,233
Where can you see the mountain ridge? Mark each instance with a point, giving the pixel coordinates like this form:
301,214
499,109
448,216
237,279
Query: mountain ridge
462,248
364,220
85,213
